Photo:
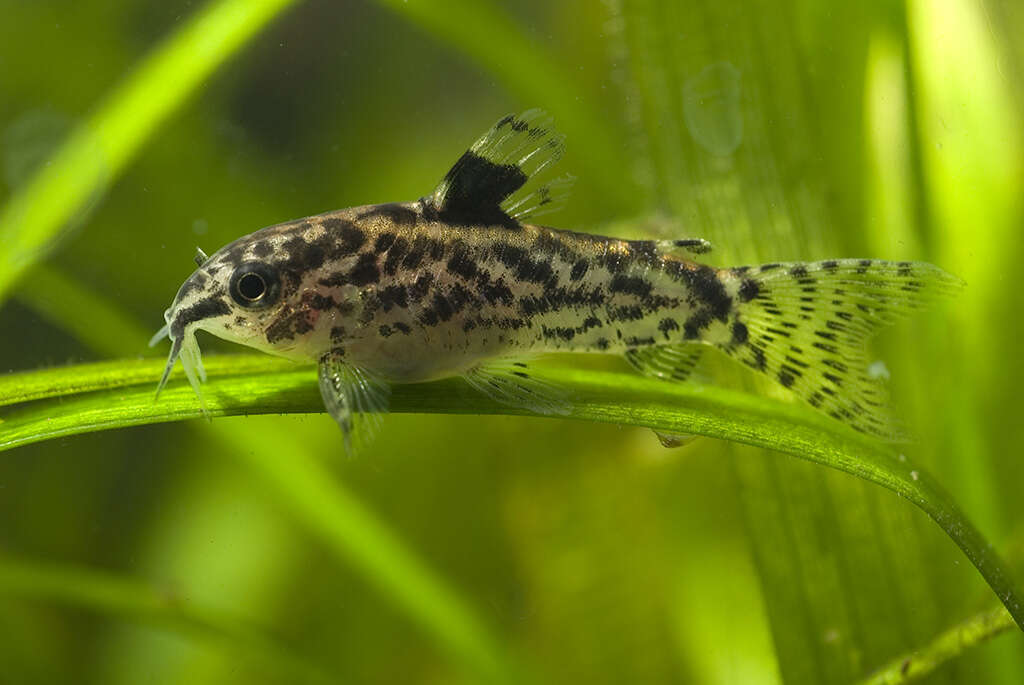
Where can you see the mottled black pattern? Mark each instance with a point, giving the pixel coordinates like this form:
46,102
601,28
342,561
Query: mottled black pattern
495,292
667,326
419,289
197,283
335,280
460,263
395,253
378,272
384,242
205,308
749,289
287,325
476,189
392,212
633,285
579,270
393,296
292,322
348,236
365,271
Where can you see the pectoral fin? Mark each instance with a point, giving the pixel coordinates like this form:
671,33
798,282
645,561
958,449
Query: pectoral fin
354,397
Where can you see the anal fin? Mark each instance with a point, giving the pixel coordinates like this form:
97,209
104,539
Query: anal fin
354,398
667,362
674,440
511,382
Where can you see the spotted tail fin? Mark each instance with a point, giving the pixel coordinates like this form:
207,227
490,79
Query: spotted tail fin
806,326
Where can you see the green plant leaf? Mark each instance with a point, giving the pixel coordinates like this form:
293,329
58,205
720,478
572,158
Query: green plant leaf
103,399
98,151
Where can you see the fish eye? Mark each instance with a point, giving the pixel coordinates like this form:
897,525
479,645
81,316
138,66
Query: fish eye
254,285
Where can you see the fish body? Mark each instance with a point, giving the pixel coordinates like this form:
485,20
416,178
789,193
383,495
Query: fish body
415,299
459,283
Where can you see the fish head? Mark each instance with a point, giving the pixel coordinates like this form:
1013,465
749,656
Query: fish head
240,291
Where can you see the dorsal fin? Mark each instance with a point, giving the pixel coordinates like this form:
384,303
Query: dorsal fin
482,188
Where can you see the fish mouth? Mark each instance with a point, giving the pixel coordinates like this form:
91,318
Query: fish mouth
183,346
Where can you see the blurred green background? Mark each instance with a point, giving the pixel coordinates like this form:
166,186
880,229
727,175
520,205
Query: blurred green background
587,553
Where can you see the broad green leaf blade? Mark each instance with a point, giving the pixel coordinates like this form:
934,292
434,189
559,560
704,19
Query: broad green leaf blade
618,398
751,128
98,151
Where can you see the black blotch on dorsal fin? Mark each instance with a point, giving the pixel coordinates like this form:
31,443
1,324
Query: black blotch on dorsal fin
482,187
475,188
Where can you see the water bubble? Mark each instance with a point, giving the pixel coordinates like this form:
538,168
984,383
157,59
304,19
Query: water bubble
711,108
878,371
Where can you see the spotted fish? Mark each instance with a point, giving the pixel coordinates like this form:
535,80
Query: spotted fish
459,283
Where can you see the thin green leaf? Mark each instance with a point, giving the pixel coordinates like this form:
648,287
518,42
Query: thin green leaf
98,151
619,398
60,381
151,604
944,648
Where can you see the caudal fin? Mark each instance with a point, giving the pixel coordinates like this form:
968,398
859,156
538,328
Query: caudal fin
806,326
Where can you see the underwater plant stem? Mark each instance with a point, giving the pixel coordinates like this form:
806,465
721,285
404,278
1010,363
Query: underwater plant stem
89,398
944,648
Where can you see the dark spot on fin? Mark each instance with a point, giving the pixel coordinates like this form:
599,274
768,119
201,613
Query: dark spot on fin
482,187
474,189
